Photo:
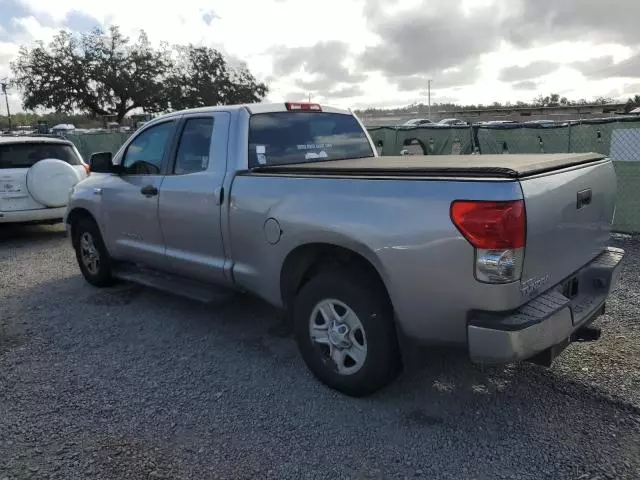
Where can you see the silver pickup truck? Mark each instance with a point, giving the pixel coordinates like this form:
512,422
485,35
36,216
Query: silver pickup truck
505,255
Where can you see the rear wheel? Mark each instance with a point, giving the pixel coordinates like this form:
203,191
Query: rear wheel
91,253
344,329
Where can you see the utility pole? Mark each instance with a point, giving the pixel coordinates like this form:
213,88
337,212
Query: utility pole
429,97
6,99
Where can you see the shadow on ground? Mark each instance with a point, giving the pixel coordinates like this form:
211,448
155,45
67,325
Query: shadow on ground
23,232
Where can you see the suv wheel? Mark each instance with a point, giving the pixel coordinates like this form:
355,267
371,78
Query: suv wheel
345,332
92,255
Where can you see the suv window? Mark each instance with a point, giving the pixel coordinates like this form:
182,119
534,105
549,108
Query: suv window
193,150
145,153
25,155
296,137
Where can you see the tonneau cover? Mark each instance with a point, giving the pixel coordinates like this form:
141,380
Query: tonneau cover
504,166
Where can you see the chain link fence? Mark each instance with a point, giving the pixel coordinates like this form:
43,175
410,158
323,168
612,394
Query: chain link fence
619,139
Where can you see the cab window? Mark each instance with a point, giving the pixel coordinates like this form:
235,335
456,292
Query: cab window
194,146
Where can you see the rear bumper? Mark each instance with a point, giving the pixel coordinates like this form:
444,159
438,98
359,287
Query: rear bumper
24,216
546,321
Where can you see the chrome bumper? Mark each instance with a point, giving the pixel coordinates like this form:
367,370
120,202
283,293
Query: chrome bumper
546,321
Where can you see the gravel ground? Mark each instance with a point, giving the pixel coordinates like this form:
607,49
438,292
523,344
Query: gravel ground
132,383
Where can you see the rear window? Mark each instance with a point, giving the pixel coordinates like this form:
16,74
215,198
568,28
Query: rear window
24,155
298,137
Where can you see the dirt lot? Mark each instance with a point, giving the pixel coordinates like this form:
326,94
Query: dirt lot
133,383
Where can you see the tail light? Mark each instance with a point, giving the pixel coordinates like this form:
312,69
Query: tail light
497,231
305,107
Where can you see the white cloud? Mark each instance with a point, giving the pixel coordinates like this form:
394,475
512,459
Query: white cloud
248,29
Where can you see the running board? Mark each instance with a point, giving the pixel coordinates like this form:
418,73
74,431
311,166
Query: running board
184,287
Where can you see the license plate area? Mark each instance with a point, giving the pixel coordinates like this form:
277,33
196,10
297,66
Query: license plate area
9,188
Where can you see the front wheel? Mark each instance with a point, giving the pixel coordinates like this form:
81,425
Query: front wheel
91,253
345,332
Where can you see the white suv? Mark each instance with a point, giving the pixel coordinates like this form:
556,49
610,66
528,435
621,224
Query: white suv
36,175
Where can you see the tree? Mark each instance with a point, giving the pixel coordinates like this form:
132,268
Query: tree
105,73
632,104
603,100
201,76
97,72
552,100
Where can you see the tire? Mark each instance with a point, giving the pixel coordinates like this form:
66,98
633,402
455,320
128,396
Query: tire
86,235
363,371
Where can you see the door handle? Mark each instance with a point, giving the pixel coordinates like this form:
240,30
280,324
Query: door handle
149,191
219,194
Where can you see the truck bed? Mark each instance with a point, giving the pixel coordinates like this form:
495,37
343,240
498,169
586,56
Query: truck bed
501,166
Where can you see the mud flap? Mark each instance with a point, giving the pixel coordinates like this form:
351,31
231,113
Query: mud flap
546,357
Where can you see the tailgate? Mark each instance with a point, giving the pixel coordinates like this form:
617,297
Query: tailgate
569,216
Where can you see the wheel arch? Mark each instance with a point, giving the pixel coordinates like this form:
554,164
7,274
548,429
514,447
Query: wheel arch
76,215
305,261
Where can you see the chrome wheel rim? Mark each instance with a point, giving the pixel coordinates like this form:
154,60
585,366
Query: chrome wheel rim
89,253
339,335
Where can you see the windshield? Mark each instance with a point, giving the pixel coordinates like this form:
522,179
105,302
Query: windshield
297,137
25,155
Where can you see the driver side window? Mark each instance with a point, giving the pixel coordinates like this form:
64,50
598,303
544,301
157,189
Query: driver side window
145,153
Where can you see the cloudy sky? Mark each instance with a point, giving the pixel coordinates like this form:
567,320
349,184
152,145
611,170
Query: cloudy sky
357,53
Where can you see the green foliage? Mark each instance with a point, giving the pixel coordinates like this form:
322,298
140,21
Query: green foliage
201,76
552,100
28,119
106,74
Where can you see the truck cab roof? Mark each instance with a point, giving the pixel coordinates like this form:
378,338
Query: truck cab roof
255,108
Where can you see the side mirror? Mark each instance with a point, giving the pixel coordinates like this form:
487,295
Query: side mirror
101,162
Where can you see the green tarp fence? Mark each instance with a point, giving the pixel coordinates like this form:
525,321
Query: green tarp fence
434,140
627,217
385,136
524,140
88,143
617,139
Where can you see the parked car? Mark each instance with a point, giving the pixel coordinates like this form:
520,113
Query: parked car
452,122
545,123
36,175
498,122
506,255
417,122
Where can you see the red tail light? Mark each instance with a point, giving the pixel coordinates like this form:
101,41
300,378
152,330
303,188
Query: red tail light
491,225
314,107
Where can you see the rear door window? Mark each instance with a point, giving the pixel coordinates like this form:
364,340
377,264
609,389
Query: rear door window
296,137
25,155
193,149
